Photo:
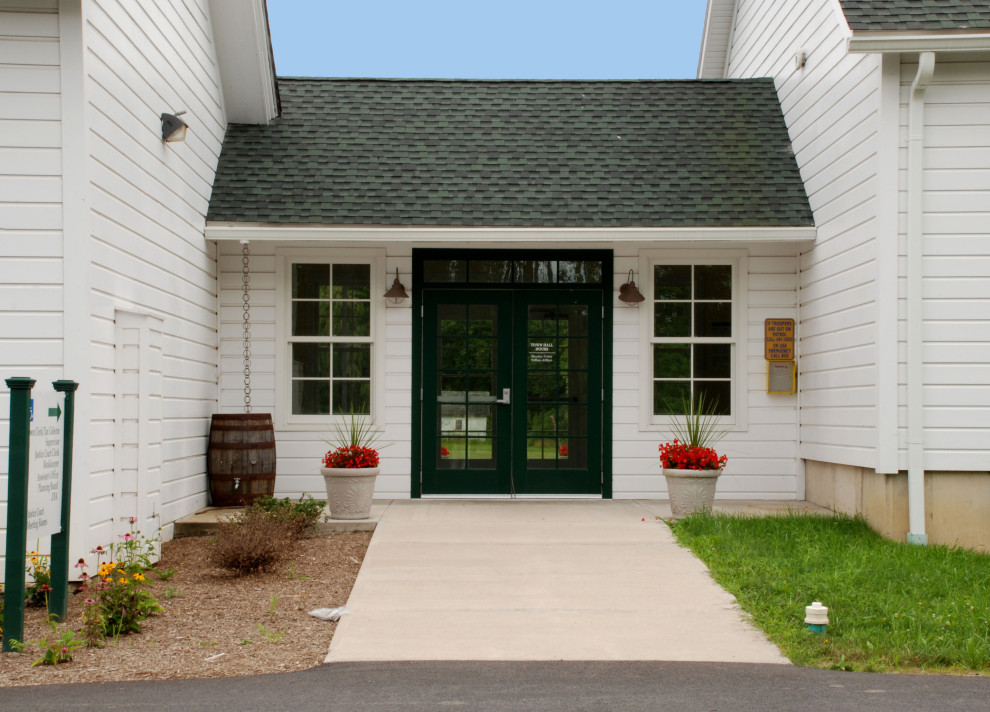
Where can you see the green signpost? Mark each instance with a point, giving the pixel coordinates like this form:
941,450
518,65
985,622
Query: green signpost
43,477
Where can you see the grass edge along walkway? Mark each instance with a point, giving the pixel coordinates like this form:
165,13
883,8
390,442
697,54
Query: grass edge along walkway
892,606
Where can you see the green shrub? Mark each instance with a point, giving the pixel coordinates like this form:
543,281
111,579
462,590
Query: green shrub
301,515
252,541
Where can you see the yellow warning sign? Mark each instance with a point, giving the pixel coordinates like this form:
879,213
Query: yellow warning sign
778,339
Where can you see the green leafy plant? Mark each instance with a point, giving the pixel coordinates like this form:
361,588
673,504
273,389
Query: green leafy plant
39,569
125,600
118,599
270,636
57,649
302,515
293,575
93,624
136,552
166,574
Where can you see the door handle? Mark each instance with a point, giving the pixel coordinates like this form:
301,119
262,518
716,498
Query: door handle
506,397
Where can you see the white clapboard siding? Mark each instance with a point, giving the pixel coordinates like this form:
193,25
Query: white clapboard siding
956,262
299,451
830,106
764,459
148,202
30,208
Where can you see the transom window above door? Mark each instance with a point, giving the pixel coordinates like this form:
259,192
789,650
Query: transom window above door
511,271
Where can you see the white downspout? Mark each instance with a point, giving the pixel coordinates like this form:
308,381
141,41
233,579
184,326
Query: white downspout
915,360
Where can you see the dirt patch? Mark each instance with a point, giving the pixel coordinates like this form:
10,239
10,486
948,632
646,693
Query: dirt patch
213,624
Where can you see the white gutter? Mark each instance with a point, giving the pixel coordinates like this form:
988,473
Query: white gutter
889,42
915,337
229,231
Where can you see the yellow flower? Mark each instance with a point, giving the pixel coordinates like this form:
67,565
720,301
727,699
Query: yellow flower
138,577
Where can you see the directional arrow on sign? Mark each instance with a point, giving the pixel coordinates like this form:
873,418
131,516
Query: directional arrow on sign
56,412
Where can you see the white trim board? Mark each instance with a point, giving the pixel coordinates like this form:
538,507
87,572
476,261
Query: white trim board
243,231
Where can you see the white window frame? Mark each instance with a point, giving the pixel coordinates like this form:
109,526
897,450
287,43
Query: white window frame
739,261
284,259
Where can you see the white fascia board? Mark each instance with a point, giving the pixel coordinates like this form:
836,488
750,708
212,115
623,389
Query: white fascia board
714,46
247,66
885,42
480,236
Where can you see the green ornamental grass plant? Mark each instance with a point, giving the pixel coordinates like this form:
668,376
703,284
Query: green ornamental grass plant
892,606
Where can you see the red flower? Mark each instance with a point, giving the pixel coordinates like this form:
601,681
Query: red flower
351,457
678,456
562,450
444,452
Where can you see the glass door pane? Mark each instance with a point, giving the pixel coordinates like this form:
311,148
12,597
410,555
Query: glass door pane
557,424
466,361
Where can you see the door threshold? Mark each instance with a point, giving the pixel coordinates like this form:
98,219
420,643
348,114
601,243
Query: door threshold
509,496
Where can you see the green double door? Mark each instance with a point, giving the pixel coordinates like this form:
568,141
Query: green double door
511,392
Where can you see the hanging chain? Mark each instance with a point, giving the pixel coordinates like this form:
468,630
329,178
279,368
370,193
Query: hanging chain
246,298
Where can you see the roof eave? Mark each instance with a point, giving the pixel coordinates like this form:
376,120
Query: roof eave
715,40
884,42
247,63
224,231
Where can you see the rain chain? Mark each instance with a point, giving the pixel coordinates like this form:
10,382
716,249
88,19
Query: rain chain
246,298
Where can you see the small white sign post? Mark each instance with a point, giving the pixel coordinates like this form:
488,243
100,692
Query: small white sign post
45,465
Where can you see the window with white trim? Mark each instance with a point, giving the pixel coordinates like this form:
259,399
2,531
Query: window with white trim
693,336
330,338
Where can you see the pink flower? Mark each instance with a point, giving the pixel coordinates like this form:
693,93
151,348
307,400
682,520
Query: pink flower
81,564
132,519
127,537
89,600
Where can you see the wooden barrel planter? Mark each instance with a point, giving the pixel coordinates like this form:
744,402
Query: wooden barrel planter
240,460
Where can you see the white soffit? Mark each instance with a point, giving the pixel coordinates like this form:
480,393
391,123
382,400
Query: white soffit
715,39
247,68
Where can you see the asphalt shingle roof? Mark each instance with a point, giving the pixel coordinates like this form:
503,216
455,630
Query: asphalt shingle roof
917,14
515,153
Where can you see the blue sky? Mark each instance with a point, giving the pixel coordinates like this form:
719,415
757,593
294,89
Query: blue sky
485,39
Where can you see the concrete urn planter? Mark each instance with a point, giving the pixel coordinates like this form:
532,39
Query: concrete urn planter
350,491
690,490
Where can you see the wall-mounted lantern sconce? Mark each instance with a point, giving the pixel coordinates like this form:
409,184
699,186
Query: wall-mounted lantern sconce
629,292
396,292
173,128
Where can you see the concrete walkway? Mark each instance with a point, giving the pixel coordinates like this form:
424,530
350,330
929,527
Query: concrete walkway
538,580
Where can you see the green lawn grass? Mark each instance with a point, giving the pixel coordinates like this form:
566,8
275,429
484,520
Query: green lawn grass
892,606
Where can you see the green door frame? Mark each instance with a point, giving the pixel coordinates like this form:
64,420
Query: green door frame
420,256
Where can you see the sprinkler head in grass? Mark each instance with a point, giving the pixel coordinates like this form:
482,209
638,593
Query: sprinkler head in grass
816,617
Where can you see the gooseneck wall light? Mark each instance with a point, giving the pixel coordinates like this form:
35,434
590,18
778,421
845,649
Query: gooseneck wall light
629,293
396,292
173,128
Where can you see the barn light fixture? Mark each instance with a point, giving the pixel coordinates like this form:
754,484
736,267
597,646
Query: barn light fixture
396,292
629,292
173,128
